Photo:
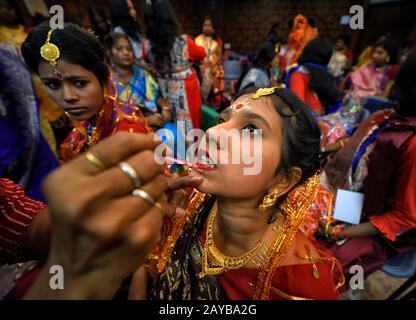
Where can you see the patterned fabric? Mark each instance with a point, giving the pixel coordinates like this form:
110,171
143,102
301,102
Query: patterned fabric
140,90
211,69
367,81
338,63
112,118
180,85
300,35
25,157
179,280
16,214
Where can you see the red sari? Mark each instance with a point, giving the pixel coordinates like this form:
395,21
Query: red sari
385,173
176,266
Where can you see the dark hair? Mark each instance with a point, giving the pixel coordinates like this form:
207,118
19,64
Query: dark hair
76,45
301,133
94,12
207,18
113,38
121,18
311,22
161,30
265,56
15,7
261,61
404,90
389,44
346,38
319,51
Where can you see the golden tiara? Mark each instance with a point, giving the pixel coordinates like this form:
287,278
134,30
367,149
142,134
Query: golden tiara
49,51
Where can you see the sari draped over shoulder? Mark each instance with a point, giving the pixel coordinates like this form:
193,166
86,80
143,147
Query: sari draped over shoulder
141,89
176,264
113,117
378,161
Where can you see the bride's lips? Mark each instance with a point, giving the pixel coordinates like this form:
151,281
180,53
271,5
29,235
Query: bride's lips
205,160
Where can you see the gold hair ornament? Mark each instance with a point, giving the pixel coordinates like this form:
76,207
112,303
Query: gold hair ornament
49,51
266,91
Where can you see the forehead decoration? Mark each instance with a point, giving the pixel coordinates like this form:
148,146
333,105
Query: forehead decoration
49,51
241,105
266,91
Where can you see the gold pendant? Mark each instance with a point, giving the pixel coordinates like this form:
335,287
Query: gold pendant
207,270
315,271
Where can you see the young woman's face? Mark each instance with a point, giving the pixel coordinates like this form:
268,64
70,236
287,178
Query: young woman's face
79,93
207,27
122,53
230,180
340,45
380,56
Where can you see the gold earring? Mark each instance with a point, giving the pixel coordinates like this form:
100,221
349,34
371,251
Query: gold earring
269,200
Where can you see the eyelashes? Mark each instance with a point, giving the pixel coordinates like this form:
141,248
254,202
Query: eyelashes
54,85
251,128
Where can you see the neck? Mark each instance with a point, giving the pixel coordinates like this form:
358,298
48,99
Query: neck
125,71
238,225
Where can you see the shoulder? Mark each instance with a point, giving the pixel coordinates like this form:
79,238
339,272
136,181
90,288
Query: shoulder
307,270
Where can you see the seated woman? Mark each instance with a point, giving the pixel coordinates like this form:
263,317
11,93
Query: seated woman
311,81
70,64
134,85
259,75
376,77
246,243
380,162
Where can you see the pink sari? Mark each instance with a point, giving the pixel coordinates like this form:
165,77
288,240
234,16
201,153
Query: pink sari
366,81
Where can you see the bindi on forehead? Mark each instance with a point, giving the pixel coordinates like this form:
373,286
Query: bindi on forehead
242,105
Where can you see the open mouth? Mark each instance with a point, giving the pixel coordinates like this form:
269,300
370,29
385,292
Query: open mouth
207,161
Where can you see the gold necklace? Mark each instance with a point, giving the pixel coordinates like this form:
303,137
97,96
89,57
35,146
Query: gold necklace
213,261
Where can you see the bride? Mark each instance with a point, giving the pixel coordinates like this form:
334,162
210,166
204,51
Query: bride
240,236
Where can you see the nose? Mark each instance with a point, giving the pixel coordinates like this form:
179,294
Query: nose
218,135
69,94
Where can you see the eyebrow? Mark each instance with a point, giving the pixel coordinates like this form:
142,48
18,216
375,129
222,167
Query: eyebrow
226,112
71,78
247,116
